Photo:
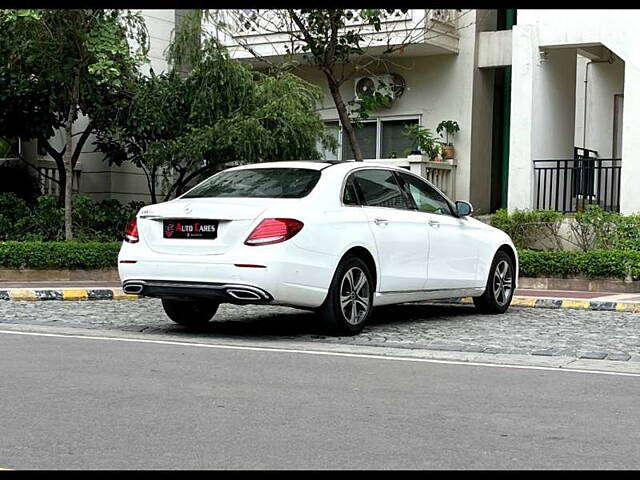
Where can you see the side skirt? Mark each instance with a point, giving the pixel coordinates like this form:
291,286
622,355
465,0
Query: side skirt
389,298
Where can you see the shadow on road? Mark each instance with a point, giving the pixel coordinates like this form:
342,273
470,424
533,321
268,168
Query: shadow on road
304,323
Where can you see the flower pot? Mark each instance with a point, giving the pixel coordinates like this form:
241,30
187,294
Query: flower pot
448,152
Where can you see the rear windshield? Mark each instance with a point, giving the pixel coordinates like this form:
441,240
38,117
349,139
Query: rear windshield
258,183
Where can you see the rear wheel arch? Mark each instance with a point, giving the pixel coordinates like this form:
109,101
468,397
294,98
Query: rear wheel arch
367,257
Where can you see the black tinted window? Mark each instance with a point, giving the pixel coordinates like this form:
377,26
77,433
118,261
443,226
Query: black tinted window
380,189
258,182
427,199
350,197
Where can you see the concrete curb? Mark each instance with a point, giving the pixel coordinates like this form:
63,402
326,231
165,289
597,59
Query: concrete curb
23,294
545,302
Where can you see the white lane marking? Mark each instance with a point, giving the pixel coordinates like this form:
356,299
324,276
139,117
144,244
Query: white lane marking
322,352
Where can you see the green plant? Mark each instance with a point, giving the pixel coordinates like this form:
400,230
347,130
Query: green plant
595,228
620,264
531,229
94,221
450,127
69,254
424,140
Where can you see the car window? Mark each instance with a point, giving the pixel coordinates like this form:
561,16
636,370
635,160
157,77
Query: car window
350,197
379,188
258,183
426,197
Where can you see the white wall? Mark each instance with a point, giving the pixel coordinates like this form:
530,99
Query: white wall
615,29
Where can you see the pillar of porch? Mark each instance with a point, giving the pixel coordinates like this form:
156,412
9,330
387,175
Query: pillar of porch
542,112
630,173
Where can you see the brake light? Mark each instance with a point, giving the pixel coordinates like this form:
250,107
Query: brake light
274,230
131,234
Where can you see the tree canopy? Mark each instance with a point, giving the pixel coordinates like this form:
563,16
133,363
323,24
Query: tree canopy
183,128
57,64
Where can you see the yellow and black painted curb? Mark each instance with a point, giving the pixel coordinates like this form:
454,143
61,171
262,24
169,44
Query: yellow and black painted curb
117,294
65,294
545,302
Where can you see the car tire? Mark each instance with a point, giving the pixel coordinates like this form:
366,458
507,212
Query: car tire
500,286
190,313
349,299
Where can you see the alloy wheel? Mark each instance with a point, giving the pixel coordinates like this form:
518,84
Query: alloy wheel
502,283
354,296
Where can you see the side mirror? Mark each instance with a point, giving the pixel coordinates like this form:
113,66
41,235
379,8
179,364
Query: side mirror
464,209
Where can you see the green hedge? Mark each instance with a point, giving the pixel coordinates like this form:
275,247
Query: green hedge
94,255
73,255
592,264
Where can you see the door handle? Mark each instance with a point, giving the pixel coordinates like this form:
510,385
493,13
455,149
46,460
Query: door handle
434,223
380,221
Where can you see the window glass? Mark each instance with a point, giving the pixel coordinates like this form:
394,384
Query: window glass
380,189
350,197
258,183
333,129
366,136
394,143
427,199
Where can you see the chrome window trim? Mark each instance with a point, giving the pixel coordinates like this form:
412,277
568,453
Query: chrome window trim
397,170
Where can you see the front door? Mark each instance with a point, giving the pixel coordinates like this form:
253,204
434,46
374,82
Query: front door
453,246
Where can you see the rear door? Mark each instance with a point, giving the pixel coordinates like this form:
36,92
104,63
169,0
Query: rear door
401,237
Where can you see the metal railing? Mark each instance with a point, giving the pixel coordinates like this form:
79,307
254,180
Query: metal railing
570,185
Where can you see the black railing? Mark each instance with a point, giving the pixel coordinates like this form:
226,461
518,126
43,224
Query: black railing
570,185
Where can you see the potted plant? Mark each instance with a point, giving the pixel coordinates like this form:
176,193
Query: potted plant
424,141
450,127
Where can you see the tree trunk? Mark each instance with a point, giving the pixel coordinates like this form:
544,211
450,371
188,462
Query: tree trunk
68,159
68,184
343,114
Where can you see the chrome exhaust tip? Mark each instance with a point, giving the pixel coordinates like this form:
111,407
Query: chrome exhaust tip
242,294
132,288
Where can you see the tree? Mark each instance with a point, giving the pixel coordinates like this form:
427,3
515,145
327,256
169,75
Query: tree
222,111
59,64
332,41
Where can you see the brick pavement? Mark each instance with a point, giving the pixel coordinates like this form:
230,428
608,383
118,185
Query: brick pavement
590,334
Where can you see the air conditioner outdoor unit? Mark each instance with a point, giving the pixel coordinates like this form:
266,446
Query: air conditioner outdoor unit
390,84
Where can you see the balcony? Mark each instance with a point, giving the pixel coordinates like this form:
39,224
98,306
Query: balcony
426,32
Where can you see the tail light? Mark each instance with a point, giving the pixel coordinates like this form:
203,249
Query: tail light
131,234
274,230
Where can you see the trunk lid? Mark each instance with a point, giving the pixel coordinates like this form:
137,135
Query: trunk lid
234,217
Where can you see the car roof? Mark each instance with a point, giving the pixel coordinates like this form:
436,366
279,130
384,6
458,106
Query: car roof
315,165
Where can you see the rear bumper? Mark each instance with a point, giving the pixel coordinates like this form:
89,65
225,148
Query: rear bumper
285,275
223,292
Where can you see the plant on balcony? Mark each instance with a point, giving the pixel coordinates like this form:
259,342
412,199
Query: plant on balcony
424,141
450,127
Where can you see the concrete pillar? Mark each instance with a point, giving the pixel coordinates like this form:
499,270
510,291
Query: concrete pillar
630,176
543,105
522,70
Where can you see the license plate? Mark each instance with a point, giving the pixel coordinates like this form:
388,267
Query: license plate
207,229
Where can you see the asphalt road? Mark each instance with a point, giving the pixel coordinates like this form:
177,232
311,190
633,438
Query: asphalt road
81,403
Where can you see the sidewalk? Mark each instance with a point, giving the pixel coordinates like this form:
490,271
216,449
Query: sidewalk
90,290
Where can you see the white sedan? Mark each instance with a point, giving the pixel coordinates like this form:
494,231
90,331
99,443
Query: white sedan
336,237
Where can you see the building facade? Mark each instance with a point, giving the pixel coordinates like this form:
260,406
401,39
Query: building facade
546,101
